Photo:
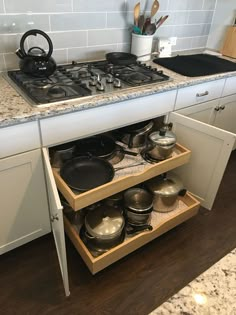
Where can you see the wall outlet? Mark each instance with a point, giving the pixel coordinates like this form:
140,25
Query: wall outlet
173,41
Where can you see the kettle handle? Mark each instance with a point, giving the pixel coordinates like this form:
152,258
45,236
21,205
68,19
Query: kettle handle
35,32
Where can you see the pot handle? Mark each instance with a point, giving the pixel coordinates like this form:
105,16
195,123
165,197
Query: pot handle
182,192
89,236
134,229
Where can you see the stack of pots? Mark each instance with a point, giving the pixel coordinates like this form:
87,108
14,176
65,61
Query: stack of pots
165,189
138,206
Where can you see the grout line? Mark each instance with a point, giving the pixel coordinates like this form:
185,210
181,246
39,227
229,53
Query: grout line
4,6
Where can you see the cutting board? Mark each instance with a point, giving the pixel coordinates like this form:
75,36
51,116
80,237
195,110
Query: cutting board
229,47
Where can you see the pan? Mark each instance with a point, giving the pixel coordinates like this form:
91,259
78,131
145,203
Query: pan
121,58
84,173
100,146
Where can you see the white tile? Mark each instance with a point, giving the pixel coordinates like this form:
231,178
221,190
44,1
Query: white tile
23,6
106,37
99,5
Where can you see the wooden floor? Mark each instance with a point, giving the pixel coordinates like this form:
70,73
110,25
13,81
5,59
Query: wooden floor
30,281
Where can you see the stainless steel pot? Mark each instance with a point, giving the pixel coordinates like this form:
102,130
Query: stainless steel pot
104,227
138,205
161,144
62,153
135,135
166,189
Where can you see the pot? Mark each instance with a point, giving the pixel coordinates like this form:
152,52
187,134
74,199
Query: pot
138,205
136,135
160,144
104,227
36,62
61,153
165,189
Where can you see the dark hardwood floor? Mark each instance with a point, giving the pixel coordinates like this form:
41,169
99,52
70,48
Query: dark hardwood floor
30,281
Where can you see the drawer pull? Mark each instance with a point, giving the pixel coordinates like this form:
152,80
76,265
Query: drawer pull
217,108
202,94
222,107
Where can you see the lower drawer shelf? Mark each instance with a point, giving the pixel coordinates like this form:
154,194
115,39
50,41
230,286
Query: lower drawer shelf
161,222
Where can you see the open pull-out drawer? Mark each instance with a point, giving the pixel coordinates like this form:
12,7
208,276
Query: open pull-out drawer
125,179
161,222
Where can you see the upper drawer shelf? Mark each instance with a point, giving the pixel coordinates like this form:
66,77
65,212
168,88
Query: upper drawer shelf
199,93
122,180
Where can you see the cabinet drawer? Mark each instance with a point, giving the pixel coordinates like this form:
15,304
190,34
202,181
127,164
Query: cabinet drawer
125,179
86,123
199,93
19,138
161,223
230,86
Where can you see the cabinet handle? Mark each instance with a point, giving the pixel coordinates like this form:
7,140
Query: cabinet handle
54,217
202,94
222,107
217,108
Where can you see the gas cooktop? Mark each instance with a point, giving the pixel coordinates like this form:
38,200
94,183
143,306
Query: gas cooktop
77,80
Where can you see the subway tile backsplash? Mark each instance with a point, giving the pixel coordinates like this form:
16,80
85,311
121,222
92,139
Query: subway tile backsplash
88,29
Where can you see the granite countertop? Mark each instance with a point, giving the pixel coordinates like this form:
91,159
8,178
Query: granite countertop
212,293
14,109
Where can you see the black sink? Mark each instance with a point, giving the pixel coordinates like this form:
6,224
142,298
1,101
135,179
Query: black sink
196,65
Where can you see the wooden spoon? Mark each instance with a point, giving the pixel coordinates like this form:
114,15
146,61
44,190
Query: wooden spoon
162,21
141,22
136,13
155,7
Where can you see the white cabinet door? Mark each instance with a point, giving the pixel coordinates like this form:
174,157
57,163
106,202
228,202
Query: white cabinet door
204,112
56,220
226,115
211,148
24,208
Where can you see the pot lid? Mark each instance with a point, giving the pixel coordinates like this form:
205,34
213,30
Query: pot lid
104,222
163,137
167,185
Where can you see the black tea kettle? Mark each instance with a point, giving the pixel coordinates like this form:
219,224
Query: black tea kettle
36,62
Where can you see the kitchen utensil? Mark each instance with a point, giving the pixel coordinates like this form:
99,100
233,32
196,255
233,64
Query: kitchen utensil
61,153
137,30
83,173
135,135
162,21
138,205
141,22
36,62
146,23
104,227
121,58
136,13
150,29
155,7
100,146
158,21
133,229
160,144
166,189
130,165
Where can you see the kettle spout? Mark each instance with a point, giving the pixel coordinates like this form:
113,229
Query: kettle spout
19,53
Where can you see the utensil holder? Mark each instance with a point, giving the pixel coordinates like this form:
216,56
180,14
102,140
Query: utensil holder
142,45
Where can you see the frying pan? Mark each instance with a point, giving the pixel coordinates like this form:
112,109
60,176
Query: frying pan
121,58
99,146
83,173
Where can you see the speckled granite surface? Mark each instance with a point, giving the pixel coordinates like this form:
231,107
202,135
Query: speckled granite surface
14,109
212,293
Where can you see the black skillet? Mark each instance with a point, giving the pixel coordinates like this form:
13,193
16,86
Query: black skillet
83,173
99,146
121,58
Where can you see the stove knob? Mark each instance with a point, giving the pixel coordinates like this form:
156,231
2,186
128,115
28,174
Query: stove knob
160,71
109,78
93,81
117,83
100,86
149,67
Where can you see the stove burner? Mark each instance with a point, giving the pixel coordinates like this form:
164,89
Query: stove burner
138,78
83,73
43,84
56,91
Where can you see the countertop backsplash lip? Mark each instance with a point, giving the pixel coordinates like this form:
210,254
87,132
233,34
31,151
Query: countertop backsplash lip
15,109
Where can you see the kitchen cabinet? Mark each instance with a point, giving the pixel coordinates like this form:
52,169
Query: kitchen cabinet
24,209
225,113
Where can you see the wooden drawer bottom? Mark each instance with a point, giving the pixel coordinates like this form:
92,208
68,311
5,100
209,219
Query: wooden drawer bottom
161,222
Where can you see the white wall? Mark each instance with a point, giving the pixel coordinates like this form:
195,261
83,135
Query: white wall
224,16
